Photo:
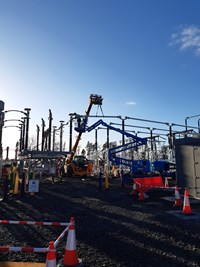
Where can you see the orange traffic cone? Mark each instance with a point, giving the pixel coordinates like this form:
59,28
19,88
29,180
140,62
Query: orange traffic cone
186,205
177,197
51,256
70,256
166,182
141,194
135,191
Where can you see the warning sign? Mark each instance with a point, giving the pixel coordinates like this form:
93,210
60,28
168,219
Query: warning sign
33,186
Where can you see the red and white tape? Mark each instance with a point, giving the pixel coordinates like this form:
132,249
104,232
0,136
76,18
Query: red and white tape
23,249
34,223
60,237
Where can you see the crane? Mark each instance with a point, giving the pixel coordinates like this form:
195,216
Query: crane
77,165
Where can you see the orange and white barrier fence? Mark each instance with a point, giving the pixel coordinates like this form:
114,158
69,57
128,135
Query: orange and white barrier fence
35,223
148,183
70,256
23,249
137,186
60,237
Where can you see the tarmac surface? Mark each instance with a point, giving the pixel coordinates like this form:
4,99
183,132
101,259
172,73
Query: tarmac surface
113,228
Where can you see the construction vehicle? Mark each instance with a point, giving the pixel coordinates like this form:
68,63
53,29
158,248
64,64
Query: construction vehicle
139,167
77,165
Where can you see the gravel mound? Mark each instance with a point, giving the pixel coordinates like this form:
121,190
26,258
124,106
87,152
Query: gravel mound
113,228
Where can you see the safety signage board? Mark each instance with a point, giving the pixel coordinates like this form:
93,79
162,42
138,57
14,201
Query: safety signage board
33,186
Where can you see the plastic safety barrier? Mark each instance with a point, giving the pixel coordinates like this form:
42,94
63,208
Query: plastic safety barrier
148,183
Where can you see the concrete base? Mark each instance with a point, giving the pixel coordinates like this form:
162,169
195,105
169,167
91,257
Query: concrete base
21,264
178,213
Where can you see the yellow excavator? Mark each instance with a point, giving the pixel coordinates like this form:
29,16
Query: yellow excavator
79,165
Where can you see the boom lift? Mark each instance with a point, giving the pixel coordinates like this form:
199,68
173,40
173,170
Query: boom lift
78,164
139,166
135,165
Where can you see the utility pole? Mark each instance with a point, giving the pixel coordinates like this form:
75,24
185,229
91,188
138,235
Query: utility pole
38,131
1,127
61,135
54,137
70,131
43,126
27,126
50,126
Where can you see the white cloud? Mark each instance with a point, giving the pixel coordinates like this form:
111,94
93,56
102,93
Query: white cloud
187,38
130,103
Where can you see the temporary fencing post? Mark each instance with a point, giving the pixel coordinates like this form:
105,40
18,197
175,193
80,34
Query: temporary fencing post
51,255
11,181
122,178
166,182
177,197
106,181
186,205
141,194
70,255
16,185
90,168
135,191
100,179
23,184
6,187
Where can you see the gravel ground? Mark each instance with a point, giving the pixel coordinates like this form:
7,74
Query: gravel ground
113,228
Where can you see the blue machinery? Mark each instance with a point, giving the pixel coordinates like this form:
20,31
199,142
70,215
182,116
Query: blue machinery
114,154
135,165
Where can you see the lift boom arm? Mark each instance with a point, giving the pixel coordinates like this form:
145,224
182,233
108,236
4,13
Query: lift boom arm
136,141
140,140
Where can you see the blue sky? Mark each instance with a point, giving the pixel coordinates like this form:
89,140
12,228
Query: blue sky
142,56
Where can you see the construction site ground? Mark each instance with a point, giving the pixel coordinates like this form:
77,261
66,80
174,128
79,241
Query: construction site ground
113,228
